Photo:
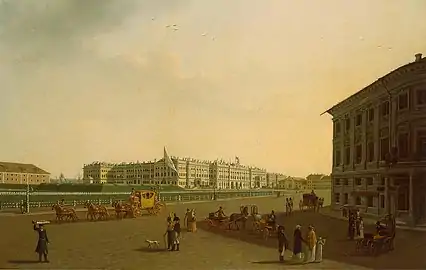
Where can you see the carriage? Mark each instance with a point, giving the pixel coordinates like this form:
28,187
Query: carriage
139,200
310,201
382,241
233,219
64,213
260,225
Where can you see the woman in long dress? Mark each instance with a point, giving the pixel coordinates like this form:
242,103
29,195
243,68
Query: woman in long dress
192,222
311,245
361,228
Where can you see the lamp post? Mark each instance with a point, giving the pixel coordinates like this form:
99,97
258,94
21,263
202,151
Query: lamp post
27,192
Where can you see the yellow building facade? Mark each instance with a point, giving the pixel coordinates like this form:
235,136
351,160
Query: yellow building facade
19,173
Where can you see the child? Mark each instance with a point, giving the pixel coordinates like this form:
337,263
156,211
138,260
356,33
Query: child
320,246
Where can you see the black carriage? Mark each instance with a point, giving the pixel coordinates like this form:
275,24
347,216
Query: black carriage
380,242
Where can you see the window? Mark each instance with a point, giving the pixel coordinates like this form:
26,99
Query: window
384,108
403,101
358,154
370,202
370,151
336,128
347,155
370,181
421,97
421,144
382,181
403,145
358,120
346,182
346,198
347,124
337,197
384,148
358,181
338,158
336,182
358,200
371,114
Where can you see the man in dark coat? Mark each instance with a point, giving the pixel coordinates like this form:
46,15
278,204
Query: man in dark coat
297,243
170,233
282,242
42,242
177,230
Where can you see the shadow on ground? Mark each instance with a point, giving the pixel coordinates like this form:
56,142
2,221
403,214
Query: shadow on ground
152,250
407,253
23,261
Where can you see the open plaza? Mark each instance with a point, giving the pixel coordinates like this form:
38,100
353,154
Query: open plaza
121,244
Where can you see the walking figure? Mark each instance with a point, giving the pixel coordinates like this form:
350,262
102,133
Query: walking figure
282,242
42,242
291,206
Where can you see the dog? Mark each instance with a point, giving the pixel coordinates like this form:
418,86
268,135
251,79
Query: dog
153,243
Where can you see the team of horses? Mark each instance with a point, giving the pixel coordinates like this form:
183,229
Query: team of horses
310,201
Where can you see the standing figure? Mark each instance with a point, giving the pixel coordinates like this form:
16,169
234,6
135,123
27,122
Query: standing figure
320,248
301,205
287,207
177,234
361,228
297,243
186,218
351,226
291,206
272,220
311,240
42,242
282,242
170,234
192,221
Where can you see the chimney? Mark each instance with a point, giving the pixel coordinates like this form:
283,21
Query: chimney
418,57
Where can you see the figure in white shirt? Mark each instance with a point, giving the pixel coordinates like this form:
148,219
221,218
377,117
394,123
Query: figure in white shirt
320,247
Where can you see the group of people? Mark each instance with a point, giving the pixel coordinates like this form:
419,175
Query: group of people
355,226
173,231
313,246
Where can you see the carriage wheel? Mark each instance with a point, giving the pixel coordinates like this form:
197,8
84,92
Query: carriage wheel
266,233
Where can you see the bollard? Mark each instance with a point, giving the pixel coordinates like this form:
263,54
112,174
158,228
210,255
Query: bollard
39,204
74,203
110,201
179,198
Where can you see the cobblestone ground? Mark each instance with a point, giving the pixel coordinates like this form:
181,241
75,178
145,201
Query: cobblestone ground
121,244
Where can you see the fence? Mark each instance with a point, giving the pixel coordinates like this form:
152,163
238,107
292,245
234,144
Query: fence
48,199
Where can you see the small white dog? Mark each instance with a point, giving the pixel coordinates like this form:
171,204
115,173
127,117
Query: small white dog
153,243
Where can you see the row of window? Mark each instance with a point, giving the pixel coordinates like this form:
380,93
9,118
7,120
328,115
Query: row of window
369,181
403,149
384,110
368,200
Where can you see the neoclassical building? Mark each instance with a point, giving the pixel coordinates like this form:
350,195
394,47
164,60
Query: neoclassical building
190,173
379,146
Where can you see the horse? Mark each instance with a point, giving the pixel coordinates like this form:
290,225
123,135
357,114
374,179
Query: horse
122,210
310,201
96,212
242,217
63,212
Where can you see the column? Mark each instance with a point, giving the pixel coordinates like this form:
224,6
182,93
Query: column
411,198
387,208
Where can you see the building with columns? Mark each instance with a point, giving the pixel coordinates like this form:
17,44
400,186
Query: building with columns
190,173
379,146
19,173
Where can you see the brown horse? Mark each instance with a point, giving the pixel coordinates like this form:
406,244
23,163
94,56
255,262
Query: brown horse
122,210
96,211
241,217
64,212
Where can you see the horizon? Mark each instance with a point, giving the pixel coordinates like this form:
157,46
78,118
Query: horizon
109,81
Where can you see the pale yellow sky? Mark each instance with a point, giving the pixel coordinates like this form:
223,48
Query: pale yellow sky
85,81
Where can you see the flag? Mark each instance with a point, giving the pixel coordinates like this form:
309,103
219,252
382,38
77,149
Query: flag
168,161
237,160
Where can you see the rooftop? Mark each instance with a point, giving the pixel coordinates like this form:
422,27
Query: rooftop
21,168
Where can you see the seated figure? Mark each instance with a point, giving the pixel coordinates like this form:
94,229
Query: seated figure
220,214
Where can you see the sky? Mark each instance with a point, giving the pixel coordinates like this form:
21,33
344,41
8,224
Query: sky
105,80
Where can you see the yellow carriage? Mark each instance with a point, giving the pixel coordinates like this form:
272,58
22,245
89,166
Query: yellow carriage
148,201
